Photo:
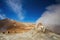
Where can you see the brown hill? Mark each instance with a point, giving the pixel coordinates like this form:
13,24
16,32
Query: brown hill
11,26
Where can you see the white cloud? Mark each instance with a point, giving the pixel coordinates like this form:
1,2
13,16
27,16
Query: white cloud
16,7
51,18
2,16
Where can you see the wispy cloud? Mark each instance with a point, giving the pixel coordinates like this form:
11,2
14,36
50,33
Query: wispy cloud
16,7
2,16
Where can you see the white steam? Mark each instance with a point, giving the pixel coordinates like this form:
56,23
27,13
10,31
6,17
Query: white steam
51,18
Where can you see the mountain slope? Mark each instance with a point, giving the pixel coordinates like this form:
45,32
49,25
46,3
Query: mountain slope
11,26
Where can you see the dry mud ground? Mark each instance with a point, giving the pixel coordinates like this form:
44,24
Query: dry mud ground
30,36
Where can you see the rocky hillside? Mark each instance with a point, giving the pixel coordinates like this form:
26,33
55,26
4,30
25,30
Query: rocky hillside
11,26
23,31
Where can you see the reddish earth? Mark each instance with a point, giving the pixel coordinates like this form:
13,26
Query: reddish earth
11,26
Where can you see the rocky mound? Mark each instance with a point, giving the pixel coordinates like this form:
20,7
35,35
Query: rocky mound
11,26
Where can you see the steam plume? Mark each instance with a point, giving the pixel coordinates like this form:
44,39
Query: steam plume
51,18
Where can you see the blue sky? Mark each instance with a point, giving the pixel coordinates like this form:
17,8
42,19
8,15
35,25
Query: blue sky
24,10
